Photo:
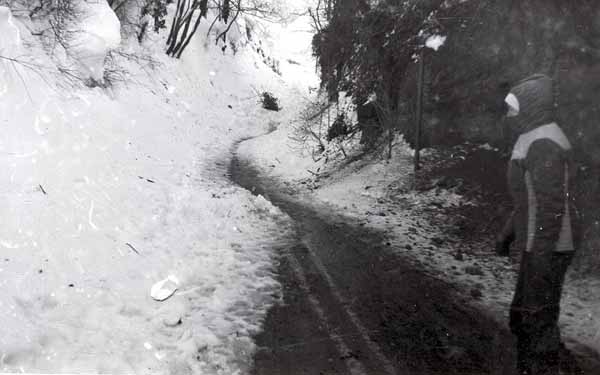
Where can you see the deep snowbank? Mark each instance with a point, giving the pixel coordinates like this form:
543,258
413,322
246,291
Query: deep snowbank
106,192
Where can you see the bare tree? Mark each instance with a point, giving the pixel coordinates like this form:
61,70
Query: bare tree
308,132
189,14
182,31
321,14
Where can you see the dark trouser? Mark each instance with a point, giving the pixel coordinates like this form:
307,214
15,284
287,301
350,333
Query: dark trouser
535,310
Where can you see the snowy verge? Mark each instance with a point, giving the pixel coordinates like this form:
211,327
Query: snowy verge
107,191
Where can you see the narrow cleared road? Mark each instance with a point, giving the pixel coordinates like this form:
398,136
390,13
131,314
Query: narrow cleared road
351,307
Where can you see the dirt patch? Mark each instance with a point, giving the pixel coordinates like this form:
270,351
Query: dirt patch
479,175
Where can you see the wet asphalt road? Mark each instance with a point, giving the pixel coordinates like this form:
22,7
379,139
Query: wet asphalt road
351,307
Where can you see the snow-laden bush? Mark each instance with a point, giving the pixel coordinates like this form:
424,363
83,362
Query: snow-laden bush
94,33
76,32
139,17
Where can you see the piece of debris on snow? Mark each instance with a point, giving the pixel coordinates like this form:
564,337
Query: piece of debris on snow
164,288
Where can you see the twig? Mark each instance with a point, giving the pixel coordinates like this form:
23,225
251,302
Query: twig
22,81
211,27
42,189
132,248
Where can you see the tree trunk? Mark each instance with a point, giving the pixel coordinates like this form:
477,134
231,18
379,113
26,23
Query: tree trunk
226,10
189,38
175,22
184,35
187,22
203,8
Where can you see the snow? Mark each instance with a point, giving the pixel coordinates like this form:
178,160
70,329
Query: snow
11,35
435,41
107,191
294,51
96,33
487,147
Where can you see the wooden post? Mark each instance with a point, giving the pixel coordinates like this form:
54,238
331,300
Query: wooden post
419,108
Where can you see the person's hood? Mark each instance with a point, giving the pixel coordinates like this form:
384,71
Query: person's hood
532,103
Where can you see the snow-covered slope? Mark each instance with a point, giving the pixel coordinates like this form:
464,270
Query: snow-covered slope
105,192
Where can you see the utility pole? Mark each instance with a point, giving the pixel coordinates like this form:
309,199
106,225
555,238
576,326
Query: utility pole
419,108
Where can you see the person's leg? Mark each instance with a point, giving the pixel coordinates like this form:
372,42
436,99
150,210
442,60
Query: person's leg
546,348
516,321
565,359
545,333
524,355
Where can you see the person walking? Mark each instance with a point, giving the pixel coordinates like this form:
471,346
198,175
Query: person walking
544,224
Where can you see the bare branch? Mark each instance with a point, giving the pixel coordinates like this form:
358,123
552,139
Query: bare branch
224,33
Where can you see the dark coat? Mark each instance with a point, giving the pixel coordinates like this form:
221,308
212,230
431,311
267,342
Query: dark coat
541,175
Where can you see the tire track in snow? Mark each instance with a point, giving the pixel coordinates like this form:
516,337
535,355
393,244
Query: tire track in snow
355,366
372,345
